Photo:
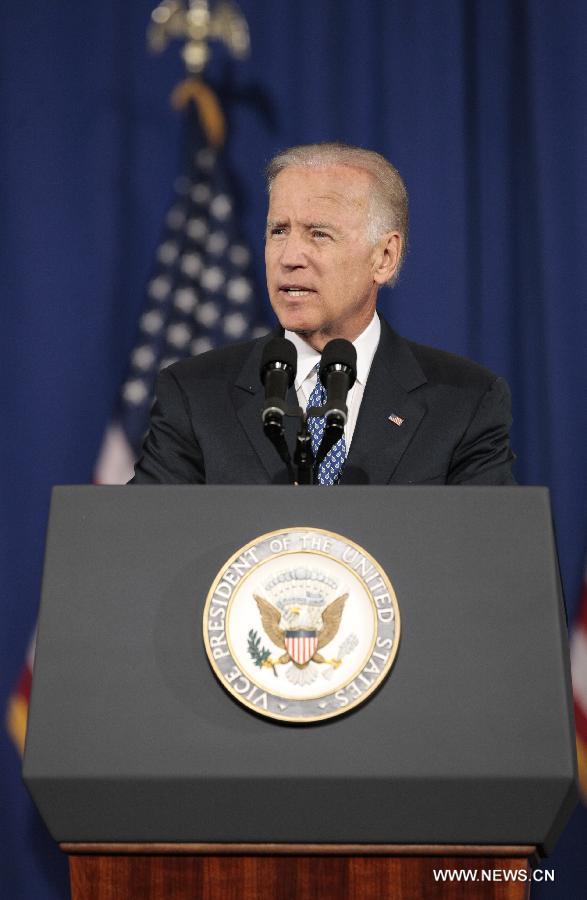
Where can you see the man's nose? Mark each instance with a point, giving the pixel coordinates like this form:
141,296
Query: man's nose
293,254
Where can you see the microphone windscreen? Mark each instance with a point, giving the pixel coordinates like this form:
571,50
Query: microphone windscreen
339,352
279,350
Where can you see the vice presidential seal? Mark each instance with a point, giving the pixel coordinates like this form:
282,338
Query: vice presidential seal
301,625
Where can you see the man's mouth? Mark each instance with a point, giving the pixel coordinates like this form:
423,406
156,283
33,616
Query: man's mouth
295,291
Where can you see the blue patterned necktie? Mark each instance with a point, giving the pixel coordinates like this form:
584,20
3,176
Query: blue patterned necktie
330,469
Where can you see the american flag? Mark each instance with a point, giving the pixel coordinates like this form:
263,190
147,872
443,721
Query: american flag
200,296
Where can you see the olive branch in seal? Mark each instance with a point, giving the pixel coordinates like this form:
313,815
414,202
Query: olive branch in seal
258,654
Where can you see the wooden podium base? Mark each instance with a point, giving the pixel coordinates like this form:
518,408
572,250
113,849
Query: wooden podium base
295,871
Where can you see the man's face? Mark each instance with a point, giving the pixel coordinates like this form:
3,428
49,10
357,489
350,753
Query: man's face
321,269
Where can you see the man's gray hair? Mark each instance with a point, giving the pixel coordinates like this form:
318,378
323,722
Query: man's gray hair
389,197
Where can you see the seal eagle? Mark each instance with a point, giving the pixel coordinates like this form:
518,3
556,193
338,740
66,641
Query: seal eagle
325,631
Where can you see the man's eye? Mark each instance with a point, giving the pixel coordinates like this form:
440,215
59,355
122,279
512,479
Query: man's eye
320,234
277,230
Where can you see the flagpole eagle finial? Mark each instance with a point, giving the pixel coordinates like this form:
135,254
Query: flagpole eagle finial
198,23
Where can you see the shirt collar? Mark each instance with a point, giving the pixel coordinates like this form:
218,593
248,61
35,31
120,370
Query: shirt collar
366,344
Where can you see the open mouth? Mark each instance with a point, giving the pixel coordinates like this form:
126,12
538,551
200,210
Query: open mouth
296,291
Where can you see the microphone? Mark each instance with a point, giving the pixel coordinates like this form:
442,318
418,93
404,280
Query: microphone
278,371
337,372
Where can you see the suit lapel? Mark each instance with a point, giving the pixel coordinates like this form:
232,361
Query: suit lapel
378,444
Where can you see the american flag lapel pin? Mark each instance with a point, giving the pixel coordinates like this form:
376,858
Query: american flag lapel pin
397,420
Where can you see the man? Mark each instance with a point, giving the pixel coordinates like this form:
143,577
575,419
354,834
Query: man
336,232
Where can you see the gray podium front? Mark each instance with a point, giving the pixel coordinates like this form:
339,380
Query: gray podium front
133,743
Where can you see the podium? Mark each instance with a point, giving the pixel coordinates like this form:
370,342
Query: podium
158,783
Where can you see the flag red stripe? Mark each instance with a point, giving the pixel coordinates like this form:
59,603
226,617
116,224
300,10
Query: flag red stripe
23,688
581,722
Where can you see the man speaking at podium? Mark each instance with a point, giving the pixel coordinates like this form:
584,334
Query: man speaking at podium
336,233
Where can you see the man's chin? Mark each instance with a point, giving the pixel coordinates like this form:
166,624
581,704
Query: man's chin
298,325
311,335
298,321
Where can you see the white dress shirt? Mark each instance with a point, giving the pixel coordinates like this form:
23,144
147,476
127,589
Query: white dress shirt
365,345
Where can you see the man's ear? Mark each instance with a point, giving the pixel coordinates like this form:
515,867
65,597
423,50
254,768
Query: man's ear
386,256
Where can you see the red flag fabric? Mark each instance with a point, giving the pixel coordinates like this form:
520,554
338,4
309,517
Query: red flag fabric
579,676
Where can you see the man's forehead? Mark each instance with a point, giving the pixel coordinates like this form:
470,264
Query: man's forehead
327,186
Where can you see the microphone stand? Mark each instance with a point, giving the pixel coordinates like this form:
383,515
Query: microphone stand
274,431
302,471
276,411
303,455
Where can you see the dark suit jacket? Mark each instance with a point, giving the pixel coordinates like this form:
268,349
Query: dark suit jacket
206,421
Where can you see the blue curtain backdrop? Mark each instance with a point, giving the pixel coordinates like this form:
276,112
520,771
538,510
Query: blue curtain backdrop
483,108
